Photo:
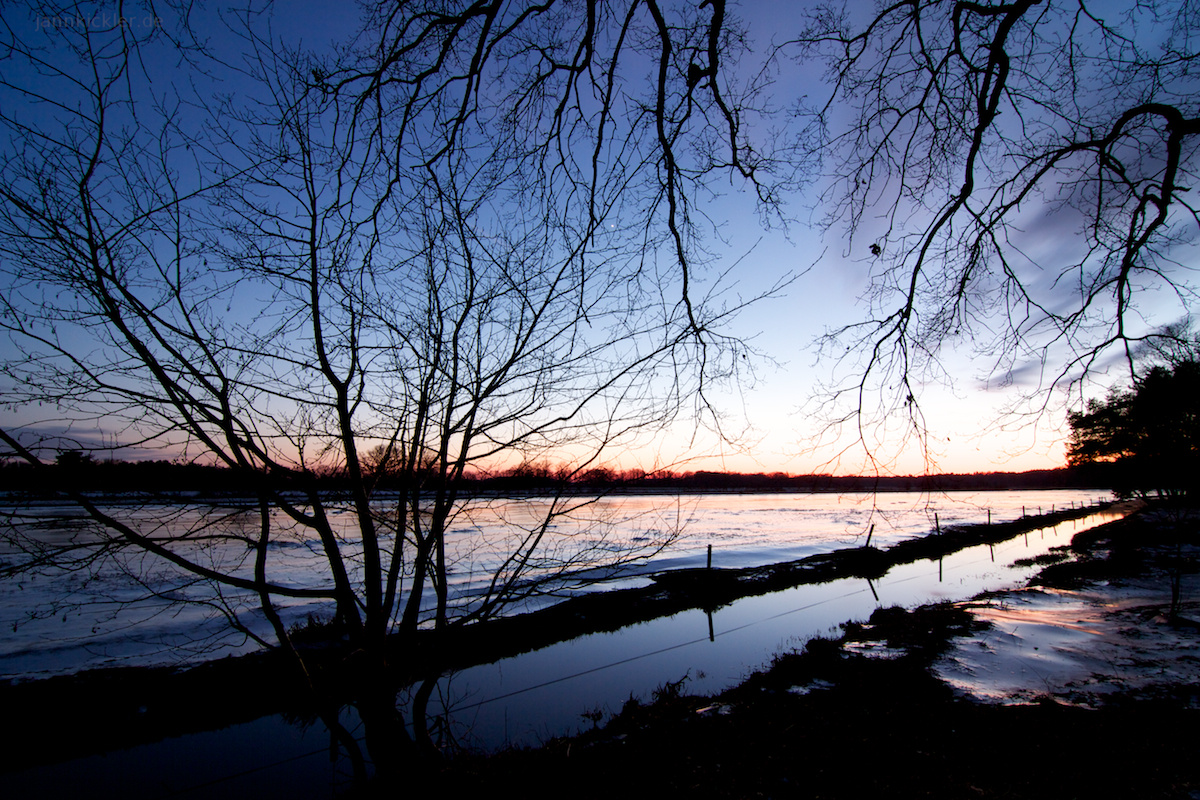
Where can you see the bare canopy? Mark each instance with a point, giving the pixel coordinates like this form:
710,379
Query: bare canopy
462,238
1015,174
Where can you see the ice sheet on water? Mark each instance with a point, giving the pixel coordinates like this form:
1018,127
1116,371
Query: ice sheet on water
1078,647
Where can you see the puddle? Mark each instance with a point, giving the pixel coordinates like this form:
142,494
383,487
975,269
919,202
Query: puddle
267,757
1079,647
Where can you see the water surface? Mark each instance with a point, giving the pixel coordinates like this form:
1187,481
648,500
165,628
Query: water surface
137,611
530,698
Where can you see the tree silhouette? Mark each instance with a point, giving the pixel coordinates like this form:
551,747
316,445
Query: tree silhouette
470,237
464,239
1014,175
1147,437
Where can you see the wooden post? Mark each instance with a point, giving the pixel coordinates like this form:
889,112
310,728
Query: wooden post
708,567
869,533
989,517
937,525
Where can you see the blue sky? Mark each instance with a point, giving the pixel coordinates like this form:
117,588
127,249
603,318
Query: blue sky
974,415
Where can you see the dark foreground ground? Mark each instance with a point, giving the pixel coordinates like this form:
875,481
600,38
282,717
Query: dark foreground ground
836,722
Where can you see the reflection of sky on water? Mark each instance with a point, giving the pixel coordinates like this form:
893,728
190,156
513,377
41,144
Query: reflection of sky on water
1078,646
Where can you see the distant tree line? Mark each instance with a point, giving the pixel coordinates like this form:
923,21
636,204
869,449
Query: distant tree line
79,471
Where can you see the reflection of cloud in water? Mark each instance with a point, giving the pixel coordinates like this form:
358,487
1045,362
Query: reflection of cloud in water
1076,646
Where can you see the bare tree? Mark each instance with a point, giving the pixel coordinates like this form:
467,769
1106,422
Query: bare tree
1015,174
465,239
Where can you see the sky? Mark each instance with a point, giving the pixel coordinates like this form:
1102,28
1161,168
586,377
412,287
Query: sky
772,421
979,418
780,428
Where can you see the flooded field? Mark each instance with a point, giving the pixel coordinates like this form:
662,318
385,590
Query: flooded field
139,611
561,689
1080,647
